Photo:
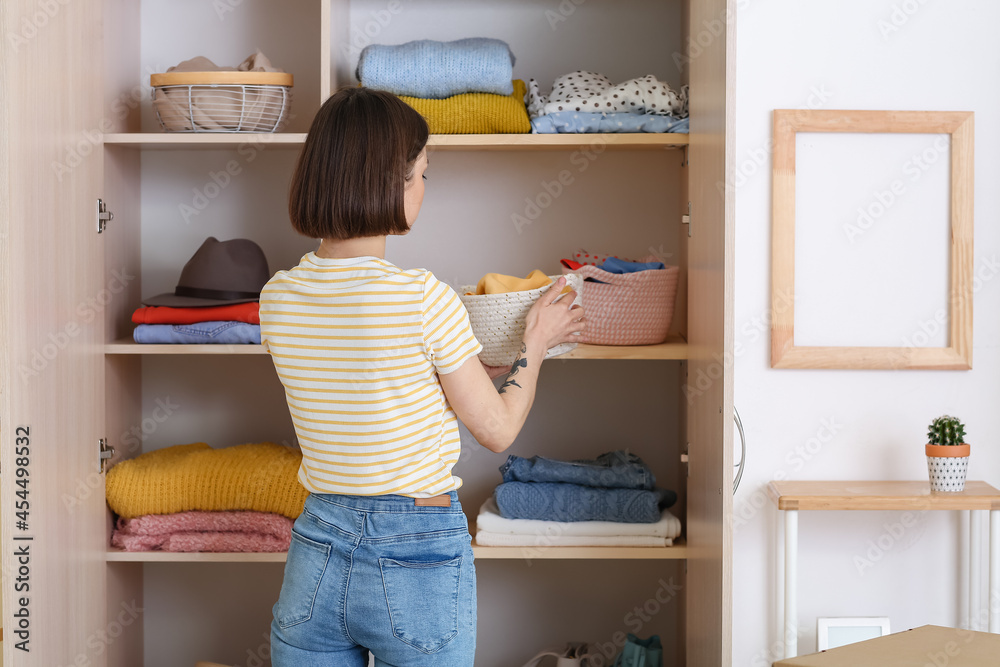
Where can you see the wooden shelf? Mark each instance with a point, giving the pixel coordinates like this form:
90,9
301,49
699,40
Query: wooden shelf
129,346
521,142
438,142
119,556
676,552
821,495
674,348
205,140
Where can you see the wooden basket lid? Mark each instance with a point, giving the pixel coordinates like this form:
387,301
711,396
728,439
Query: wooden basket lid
221,78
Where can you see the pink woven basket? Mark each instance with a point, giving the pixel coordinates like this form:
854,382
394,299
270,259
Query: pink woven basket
630,308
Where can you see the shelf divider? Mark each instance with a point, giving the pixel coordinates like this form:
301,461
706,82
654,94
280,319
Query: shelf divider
674,348
676,552
436,142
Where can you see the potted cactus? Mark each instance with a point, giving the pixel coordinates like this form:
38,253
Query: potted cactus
947,454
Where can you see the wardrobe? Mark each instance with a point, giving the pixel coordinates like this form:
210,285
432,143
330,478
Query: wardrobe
100,208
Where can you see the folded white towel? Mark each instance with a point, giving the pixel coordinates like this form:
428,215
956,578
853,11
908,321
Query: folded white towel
487,539
490,521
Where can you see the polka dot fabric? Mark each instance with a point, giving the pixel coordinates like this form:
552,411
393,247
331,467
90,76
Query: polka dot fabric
592,92
594,258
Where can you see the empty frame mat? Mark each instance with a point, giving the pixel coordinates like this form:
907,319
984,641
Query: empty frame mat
956,351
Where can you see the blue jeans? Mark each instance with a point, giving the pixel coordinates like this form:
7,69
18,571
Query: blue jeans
613,470
224,333
379,574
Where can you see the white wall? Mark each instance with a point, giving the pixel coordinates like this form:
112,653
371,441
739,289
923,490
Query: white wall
859,54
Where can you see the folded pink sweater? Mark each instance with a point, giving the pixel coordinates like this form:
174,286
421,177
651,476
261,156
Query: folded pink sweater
226,531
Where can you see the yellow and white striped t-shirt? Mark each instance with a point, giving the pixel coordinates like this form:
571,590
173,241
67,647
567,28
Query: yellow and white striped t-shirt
358,344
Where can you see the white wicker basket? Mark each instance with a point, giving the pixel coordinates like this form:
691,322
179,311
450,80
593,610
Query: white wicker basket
498,320
221,101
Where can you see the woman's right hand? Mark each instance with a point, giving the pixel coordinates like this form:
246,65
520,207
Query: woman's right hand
551,322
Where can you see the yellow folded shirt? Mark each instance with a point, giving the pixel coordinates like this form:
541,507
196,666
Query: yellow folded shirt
496,283
475,113
262,477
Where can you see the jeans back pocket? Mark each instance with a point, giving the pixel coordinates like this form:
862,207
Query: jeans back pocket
423,601
304,570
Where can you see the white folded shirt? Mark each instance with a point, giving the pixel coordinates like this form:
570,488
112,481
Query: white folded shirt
490,521
487,539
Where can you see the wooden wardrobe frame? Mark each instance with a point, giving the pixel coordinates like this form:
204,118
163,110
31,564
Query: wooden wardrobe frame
62,376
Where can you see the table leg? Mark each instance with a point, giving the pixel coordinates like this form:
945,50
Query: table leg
975,568
994,597
791,628
779,580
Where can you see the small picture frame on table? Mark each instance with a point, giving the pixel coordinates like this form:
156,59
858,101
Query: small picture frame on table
836,632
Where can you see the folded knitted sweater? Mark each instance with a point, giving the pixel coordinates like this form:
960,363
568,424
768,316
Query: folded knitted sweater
430,69
257,476
549,501
204,531
475,113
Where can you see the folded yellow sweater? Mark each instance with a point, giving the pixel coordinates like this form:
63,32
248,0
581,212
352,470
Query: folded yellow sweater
497,283
259,476
475,113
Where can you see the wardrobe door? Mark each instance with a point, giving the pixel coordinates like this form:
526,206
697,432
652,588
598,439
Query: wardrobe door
52,294
708,389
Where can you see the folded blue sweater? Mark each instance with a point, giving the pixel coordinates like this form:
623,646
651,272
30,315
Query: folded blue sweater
615,265
436,70
547,501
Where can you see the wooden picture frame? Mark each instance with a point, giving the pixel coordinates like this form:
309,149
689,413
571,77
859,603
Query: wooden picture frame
958,354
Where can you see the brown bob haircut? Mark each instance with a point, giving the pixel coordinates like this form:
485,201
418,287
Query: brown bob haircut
355,165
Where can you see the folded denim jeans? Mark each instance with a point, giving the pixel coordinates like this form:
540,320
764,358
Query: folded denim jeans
613,470
546,501
199,333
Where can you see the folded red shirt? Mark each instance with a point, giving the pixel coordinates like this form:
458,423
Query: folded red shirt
570,264
239,312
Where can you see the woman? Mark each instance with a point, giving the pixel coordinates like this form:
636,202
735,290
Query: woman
377,362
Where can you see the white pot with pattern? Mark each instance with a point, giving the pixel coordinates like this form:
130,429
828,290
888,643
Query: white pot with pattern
947,466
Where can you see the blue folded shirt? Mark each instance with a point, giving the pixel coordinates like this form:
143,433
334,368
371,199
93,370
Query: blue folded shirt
613,470
436,70
226,333
582,122
547,501
615,265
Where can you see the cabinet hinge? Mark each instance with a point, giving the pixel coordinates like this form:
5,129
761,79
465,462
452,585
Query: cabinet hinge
107,452
686,219
104,216
685,459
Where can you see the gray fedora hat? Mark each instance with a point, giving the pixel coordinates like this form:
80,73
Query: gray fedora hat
220,273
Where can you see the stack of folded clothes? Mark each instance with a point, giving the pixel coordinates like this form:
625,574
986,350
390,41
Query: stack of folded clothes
195,498
217,298
460,87
585,102
613,265
609,501
239,323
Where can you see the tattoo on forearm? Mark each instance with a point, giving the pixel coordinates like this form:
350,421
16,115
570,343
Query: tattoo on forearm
519,363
